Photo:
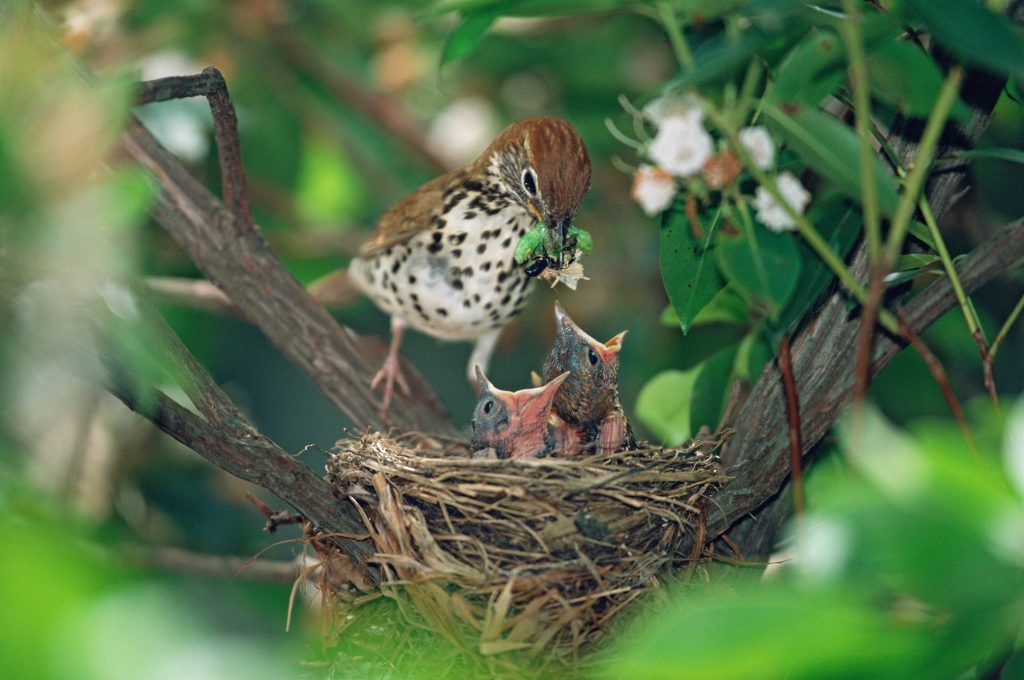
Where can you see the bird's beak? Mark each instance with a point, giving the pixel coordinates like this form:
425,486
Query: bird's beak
532,405
482,382
612,347
567,326
535,209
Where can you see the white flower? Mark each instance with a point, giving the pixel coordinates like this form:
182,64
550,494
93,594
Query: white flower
759,144
682,145
653,188
773,215
674,106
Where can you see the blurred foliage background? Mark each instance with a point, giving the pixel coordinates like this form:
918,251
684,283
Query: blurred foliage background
311,81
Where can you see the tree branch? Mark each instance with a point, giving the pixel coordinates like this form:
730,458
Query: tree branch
757,455
240,263
222,435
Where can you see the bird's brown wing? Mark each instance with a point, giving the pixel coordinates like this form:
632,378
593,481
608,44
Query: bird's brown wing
409,216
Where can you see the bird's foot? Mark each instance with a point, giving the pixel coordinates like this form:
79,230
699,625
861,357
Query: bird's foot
389,374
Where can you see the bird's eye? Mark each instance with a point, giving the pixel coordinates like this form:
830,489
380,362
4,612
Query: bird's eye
488,406
592,357
530,181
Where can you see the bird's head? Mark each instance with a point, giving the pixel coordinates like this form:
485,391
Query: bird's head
543,164
592,388
513,423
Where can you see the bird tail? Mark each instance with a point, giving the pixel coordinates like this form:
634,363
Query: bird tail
335,289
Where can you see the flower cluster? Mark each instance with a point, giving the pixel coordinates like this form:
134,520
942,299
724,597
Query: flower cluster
683,151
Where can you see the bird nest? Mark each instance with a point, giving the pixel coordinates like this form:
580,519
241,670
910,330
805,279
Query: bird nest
513,561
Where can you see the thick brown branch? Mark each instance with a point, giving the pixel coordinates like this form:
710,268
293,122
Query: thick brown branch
239,262
757,455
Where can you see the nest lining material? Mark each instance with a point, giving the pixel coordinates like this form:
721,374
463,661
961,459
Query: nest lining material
533,556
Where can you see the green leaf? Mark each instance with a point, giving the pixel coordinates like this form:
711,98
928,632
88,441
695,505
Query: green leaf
1001,154
974,33
718,58
728,306
831,148
922,233
840,225
467,34
903,75
812,69
711,387
687,264
663,405
761,263
530,8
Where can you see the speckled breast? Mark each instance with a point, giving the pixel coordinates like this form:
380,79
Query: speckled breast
456,280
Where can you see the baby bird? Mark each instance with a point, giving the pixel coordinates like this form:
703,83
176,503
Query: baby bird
515,424
587,407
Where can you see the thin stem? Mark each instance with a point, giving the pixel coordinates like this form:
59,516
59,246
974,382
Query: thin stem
850,30
750,81
947,264
793,415
1006,328
671,23
970,315
918,170
939,374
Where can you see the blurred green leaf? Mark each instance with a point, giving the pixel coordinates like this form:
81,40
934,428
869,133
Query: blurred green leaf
813,69
770,632
903,75
711,387
718,58
467,33
529,8
329,191
1001,154
763,264
687,263
974,33
831,148
663,405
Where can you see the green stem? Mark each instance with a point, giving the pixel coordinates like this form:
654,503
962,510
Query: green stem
675,35
750,81
806,229
850,29
919,166
1006,328
947,263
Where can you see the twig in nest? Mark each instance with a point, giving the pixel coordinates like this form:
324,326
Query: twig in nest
793,413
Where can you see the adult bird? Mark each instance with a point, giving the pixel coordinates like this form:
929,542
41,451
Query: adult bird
442,259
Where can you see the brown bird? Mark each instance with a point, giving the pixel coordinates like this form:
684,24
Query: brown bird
442,259
587,407
515,424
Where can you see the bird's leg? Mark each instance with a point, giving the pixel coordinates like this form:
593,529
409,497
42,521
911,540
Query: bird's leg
391,372
481,356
